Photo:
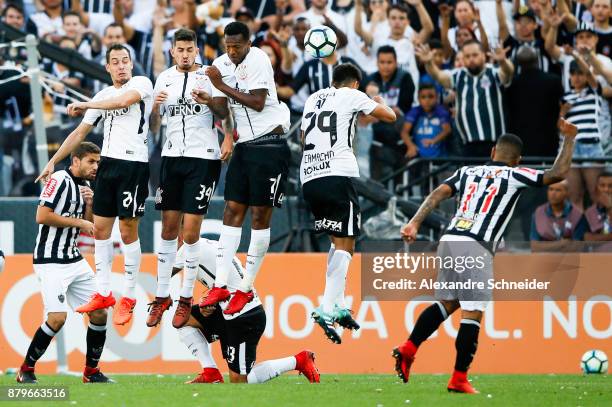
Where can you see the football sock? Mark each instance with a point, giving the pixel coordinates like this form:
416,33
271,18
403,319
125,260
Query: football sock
40,343
192,259
335,279
268,370
165,261
96,336
132,256
429,320
197,345
466,344
104,260
260,241
330,253
228,246
340,300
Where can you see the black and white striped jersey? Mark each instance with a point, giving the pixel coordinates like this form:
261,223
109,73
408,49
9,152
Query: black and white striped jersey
584,111
62,195
125,130
487,195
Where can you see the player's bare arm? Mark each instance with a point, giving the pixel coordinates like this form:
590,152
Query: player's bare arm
227,146
218,105
87,194
409,230
255,99
383,112
71,142
155,117
120,102
562,163
46,216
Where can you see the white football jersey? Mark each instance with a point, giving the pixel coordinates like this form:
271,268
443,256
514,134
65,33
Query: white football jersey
125,130
255,72
328,123
207,271
190,130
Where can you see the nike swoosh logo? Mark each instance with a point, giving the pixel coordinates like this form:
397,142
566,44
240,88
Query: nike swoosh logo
201,207
168,84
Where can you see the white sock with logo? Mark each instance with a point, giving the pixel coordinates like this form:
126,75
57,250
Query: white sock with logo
103,256
228,246
197,344
192,259
335,279
260,241
132,256
165,261
268,370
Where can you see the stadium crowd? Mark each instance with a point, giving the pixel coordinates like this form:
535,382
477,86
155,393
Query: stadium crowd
458,73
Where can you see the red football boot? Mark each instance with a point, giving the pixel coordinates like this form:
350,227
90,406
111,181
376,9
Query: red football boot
26,375
157,309
94,375
97,302
304,363
238,301
208,375
124,314
459,383
215,296
182,313
404,357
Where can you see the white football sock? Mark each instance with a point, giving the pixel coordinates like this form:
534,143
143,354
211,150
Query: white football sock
103,256
340,300
165,261
192,258
268,370
197,345
330,254
335,279
228,246
260,241
132,256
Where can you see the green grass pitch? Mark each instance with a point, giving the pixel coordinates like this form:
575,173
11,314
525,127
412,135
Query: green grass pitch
334,391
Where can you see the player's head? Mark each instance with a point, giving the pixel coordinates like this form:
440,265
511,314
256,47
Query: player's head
13,15
526,57
84,160
346,75
113,34
237,41
557,193
184,48
386,60
601,10
399,19
428,96
604,189
72,24
119,63
474,57
508,150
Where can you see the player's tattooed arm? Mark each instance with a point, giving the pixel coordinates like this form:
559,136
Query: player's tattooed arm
562,163
227,146
409,231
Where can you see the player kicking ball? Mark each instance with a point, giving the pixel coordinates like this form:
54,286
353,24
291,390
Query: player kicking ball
67,280
328,165
487,197
238,333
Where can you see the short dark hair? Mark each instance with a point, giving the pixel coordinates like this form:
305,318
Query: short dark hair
605,174
86,147
346,73
111,25
427,86
14,7
400,8
71,13
184,34
117,47
435,43
472,42
386,49
510,144
66,38
237,28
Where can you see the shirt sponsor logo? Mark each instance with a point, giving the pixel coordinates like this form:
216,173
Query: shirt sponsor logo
316,162
186,109
116,112
328,224
50,188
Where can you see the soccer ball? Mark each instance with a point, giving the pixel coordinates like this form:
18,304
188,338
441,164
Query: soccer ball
594,361
320,41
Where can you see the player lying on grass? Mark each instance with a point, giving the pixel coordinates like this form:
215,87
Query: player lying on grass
238,333
487,197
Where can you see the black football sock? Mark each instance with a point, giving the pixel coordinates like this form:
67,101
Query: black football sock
466,344
429,320
40,343
96,336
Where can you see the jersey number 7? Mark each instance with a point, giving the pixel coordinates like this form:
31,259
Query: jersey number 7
319,121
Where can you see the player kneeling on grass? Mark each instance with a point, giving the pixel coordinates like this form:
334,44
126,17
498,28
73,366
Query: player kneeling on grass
238,333
67,280
328,165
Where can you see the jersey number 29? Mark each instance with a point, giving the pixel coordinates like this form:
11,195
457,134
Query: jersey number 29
319,121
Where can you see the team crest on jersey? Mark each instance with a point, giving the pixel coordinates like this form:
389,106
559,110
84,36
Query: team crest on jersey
50,188
158,196
241,72
485,83
61,298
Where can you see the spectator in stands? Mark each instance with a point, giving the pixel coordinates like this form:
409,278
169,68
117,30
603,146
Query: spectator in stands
272,49
438,59
246,16
266,10
89,44
395,86
113,34
137,28
581,107
427,126
533,102
49,21
366,29
479,124
319,14
525,26
599,215
67,78
556,221
461,33
602,12
14,16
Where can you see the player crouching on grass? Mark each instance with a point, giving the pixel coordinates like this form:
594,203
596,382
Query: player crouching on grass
238,333
487,195
66,279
